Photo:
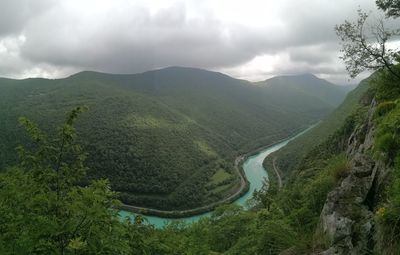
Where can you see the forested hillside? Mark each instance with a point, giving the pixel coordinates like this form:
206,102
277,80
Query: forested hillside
163,138
306,85
186,161
294,219
342,196
289,157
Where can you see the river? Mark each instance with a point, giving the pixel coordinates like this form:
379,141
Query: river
254,171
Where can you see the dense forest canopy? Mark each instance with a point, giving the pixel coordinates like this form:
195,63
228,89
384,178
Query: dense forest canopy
68,218
54,198
163,136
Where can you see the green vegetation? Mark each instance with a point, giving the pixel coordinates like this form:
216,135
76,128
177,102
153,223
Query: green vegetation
307,85
45,210
220,176
288,158
387,149
279,220
220,183
160,137
361,53
48,205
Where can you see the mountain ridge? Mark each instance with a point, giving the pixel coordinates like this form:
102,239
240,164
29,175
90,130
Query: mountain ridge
160,136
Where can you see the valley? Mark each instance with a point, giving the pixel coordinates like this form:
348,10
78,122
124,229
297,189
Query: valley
186,127
254,177
166,139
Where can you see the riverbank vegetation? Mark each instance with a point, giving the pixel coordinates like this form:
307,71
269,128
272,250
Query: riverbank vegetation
272,225
47,208
75,219
160,137
290,156
289,219
52,203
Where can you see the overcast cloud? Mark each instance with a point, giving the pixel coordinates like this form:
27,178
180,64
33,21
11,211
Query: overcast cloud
247,39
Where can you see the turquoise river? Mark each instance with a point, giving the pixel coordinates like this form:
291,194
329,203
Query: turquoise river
254,171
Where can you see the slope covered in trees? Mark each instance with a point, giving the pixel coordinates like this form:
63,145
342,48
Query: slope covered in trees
306,85
293,220
289,157
65,218
161,137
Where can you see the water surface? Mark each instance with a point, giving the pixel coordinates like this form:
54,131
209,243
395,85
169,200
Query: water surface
254,171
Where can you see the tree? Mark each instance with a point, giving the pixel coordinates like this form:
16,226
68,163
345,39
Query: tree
391,7
267,194
365,48
44,210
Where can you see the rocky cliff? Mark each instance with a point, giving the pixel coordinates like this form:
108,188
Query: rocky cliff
347,222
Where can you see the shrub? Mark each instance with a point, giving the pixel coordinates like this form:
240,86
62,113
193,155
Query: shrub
339,167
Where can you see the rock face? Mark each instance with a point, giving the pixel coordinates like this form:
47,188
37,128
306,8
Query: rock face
346,220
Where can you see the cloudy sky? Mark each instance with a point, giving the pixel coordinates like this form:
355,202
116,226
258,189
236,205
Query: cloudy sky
249,39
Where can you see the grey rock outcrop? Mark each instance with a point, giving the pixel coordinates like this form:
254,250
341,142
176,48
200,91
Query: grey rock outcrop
346,220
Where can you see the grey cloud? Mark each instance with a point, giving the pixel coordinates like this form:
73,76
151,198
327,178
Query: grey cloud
135,42
314,54
129,38
15,14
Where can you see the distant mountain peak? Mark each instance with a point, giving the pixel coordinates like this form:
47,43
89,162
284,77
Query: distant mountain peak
295,76
303,78
307,83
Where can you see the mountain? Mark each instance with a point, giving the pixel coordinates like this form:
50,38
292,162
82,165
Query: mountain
307,85
341,196
289,157
349,87
165,138
341,179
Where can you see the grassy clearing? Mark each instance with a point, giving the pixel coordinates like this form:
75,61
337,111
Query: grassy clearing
205,148
222,188
220,176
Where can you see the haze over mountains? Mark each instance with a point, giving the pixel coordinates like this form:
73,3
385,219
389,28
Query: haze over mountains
289,157
309,85
167,138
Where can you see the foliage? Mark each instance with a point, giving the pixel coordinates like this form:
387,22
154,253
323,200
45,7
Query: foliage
265,196
386,86
45,211
307,87
391,7
340,168
40,216
289,218
387,148
280,220
388,216
387,141
363,52
289,157
367,50
160,136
